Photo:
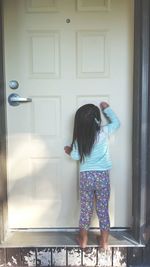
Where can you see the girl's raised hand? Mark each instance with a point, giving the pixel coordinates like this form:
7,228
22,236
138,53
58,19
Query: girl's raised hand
104,105
67,150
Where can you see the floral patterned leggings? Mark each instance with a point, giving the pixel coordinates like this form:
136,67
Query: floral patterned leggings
94,185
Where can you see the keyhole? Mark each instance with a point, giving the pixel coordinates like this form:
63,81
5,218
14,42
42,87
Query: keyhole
67,20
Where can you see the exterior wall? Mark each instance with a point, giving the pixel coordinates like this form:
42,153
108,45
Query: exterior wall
117,257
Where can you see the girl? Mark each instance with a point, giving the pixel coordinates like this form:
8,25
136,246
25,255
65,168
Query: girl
90,147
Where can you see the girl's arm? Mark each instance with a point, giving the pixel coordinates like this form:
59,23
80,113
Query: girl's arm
75,153
113,120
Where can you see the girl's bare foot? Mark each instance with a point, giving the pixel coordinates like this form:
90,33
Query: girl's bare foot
103,246
82,239
82,243
103,240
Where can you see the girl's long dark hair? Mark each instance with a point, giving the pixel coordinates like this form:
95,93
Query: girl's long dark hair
86,129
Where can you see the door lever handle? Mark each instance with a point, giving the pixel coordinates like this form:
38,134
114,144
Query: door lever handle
15,100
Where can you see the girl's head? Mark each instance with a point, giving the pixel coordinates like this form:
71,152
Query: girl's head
86,126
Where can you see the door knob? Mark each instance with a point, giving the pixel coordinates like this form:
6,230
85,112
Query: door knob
15,100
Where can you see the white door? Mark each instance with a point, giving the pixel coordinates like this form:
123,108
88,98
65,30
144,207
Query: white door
64,53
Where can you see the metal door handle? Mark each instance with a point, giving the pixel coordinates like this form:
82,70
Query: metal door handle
15,99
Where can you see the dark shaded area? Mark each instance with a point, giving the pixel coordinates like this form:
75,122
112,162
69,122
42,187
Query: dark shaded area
141,122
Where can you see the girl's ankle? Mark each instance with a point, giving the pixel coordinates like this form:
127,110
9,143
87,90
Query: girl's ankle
83,238
104,239
104,245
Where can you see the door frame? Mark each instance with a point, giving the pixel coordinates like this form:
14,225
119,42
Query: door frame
141,125
3,133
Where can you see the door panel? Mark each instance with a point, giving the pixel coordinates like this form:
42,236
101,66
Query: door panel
63,54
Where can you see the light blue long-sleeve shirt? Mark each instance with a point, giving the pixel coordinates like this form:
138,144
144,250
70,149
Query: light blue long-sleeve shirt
99,158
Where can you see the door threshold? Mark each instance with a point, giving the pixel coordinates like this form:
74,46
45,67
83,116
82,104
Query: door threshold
65,239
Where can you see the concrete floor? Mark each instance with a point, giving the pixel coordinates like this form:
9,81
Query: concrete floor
64,239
